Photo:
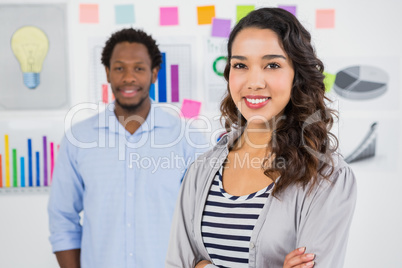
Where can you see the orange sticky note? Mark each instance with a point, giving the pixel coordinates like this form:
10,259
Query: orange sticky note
190,108
89,13
325,18
205,14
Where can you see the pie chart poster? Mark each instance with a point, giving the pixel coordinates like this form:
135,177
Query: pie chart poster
373,83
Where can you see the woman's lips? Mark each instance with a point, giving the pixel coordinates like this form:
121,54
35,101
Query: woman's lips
256,102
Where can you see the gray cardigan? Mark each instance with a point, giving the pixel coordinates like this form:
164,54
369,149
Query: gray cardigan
319,221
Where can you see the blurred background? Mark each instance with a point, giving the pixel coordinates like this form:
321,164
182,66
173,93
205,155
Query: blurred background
358,41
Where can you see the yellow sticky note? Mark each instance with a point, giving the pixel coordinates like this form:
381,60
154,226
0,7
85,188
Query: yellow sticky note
205,14
325,18
242,11
89,13
329,81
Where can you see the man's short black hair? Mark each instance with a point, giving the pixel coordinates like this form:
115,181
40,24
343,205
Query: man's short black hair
132,36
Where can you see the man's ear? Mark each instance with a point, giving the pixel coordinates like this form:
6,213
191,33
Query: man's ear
154,74
107,73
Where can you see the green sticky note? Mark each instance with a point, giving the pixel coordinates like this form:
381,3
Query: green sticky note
329,81
242,11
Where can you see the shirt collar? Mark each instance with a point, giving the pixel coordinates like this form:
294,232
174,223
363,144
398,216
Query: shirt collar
157,117
229,138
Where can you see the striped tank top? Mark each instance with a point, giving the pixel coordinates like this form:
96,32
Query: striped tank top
227,223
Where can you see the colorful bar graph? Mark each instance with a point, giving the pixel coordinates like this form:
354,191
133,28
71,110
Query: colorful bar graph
105,93
45,161
19,169
162,89
51,161
37,169
1,173
30,173
7,160
174,75
15,173
22,165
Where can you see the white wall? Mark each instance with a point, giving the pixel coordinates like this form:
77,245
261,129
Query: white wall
366,32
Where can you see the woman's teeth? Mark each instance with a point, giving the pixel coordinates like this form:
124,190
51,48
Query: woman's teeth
256,101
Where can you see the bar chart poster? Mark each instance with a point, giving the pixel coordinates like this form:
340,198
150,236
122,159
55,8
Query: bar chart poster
174,82
215,62
100,90
27,160
176,79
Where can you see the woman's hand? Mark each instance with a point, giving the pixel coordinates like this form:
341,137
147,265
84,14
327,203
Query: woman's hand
298,259
202,264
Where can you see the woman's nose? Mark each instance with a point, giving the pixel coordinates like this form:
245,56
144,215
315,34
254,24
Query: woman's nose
256,80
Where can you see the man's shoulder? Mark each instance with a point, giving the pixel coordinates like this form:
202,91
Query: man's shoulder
85,124
164,117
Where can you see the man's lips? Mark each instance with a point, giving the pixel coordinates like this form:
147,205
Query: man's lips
129,91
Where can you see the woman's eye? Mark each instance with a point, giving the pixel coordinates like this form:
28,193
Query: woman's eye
239,66
118,68
273,66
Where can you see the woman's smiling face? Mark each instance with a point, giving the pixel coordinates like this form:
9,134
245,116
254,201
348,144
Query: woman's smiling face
261,75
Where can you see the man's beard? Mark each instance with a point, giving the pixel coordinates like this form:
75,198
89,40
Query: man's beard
131,108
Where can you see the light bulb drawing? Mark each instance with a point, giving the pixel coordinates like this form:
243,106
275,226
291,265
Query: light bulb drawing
30,46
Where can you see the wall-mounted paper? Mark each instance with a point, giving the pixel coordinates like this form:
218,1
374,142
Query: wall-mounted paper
205,14
291,9
168,16
89,13
124,14
190,108
242,11
220,27
329,81
51,76
325,18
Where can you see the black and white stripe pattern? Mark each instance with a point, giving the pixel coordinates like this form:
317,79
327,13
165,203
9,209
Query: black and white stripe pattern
228,222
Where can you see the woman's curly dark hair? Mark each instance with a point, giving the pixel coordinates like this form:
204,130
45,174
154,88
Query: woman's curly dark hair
132,36
302,137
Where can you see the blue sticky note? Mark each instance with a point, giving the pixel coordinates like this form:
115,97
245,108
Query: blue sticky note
124,14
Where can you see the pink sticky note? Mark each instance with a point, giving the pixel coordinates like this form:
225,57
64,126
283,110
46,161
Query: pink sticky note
325,18
89,13
220,27
168,16
190,108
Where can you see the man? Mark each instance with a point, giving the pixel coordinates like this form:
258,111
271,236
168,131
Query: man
122,168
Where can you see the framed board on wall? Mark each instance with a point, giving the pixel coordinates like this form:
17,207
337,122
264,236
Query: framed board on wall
33,49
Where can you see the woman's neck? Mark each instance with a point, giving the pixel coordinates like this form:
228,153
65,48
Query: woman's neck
254,140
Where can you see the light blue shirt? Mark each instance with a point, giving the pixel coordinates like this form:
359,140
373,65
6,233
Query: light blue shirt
126,185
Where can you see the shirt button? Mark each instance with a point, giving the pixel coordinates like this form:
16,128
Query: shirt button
251,245
131,254
130,194
128,224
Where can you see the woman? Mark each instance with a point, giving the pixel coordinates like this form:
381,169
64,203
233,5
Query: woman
272,192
